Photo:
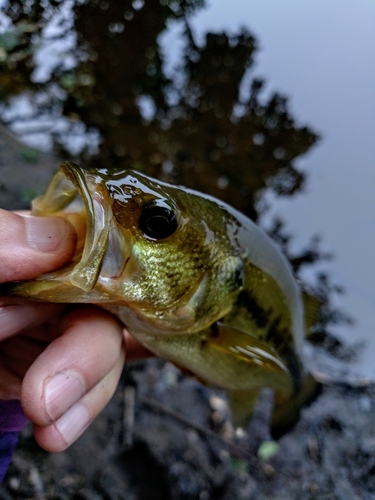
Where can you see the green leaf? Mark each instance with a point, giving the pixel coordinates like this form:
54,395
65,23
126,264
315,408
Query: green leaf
240,465
30,155
268,449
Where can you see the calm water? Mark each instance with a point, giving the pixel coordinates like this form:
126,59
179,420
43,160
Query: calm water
320,54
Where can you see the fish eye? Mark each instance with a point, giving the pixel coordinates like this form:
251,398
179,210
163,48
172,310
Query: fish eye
158,221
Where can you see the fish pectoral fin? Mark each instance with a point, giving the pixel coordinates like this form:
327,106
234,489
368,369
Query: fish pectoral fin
245,347
266,370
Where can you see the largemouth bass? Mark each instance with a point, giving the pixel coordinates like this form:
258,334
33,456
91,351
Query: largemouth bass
194,280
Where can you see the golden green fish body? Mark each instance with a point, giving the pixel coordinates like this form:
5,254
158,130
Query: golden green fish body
193,279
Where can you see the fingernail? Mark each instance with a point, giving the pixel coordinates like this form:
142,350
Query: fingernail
61,391
73,422
45,233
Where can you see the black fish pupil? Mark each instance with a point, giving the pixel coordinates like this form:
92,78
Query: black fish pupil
158,222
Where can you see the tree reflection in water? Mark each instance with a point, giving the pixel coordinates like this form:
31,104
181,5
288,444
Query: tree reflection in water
199,126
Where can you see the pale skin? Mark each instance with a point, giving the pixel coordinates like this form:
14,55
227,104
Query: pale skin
62,361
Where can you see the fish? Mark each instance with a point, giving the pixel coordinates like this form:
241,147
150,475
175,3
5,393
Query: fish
192,279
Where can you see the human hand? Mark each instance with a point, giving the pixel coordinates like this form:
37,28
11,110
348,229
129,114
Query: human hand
62,361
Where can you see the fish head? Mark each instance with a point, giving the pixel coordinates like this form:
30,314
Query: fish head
159,250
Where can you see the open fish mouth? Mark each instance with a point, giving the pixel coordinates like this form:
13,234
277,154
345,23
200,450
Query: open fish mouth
82,197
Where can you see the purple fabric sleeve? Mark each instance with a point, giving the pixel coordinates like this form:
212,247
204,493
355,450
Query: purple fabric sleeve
12,420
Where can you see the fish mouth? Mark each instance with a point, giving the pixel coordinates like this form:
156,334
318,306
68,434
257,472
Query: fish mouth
82,198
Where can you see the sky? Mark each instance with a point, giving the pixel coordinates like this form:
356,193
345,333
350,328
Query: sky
320,54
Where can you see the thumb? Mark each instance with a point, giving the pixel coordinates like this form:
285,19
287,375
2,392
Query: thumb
30,246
